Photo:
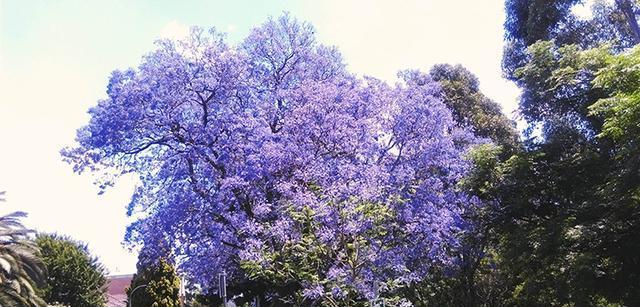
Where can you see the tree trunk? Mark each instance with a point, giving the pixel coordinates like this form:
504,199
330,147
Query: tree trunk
627,8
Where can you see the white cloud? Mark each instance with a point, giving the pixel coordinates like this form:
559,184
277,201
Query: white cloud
174,30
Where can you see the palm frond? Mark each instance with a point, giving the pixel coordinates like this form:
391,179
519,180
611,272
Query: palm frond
21,270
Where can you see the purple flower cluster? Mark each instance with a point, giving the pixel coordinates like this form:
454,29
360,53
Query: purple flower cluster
231,142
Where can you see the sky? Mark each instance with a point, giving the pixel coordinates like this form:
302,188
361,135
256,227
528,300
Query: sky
56,57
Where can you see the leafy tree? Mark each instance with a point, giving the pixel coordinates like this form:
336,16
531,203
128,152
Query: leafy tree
528,22
21,271
233,144
620,194
74,278
568,209
470,107
548,193
546,198
556,92
629,10
296,263
161,286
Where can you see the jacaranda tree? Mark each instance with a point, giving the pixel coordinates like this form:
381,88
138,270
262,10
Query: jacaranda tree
271,161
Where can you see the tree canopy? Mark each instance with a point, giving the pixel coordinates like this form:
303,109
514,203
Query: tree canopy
74,277
471,108
270,160
568,203
528,22
160,286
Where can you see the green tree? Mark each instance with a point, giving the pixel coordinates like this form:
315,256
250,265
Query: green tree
161,286
529,21
74,278
620,206
569,204
470,107
21,271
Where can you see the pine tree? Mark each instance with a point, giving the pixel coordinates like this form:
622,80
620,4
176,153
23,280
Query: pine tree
161,286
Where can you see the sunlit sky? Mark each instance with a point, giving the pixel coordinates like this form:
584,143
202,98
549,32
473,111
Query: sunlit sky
56,57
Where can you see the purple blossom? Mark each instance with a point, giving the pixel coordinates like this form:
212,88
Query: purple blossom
313,292
230,142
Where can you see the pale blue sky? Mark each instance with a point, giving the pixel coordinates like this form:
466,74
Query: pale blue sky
56,56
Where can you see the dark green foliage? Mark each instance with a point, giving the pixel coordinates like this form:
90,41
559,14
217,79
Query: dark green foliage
472,108
74,278
546,194
162,286
569,207
532,20
557,91
615,234
526,23
560,216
